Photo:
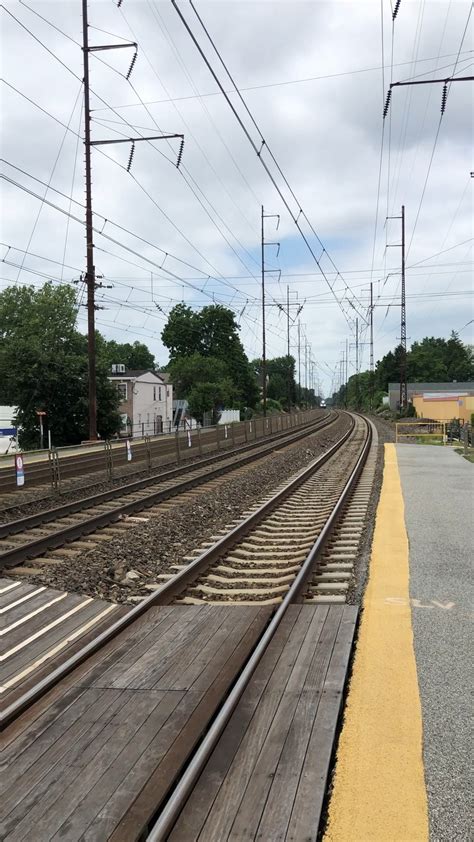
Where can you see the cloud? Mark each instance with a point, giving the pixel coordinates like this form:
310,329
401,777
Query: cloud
325,134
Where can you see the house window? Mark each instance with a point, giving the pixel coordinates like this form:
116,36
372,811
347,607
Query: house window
154,393
159,393
122,390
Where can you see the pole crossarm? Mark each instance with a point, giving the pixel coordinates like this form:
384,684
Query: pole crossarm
112,46
136,139
449,79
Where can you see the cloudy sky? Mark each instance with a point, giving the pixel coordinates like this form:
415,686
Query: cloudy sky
314,77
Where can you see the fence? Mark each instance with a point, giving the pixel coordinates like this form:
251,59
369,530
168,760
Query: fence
119,457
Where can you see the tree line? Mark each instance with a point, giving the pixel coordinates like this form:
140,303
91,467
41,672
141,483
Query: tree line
433,360
43,365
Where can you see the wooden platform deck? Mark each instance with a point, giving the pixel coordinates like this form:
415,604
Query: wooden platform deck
41,627
267,777
94,758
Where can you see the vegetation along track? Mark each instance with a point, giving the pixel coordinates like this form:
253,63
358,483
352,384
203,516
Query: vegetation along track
355,449
32,536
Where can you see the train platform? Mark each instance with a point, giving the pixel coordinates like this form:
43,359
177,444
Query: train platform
403,762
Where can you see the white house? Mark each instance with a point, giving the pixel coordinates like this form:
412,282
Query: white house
146,401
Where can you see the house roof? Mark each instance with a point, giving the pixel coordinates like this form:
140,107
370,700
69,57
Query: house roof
133,374
434,387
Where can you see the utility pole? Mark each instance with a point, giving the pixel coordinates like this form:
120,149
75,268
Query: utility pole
371,346
347,371
299,362
403,398
403,328
90,272
264,355
357,363
288,343
90,276
264,358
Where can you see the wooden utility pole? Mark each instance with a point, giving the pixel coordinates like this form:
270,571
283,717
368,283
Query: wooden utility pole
90,276
264,358
90,272
403,328
371,346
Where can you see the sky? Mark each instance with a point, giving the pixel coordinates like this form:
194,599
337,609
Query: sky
313,78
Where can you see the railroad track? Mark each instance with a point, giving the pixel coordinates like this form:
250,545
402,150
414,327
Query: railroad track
258,561
161,450
34,535
323,507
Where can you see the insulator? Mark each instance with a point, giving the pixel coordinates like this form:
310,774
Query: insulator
444,97
119,3
132,152
395,11
387,103
180,153
132,65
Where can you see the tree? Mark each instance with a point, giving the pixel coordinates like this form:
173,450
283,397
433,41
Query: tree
213,334
43,366
205,383
132,356
280,374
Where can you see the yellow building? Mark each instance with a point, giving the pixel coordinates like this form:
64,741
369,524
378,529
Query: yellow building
444,406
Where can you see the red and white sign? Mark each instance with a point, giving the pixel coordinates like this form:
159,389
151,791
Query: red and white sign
19,470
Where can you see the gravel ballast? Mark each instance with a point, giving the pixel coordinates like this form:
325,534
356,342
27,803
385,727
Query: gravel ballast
126,566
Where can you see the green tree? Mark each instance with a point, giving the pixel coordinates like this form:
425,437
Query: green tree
43,366
134,355
213,334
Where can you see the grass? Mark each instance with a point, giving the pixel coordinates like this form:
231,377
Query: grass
469,455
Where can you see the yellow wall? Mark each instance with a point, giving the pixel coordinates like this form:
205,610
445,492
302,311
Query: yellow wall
444,410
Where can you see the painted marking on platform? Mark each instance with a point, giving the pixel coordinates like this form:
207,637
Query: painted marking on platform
379,787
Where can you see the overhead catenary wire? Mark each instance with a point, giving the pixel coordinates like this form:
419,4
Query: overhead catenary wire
295,217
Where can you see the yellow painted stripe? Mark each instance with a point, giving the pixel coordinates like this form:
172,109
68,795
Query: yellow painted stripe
379,789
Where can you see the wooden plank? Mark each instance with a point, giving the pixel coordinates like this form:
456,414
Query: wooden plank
160,780
226,804
285,780
308,804
44,669
27,768
82,778
14,614
110,667
24,625
258,785
93,762
192,819
267,777
34,648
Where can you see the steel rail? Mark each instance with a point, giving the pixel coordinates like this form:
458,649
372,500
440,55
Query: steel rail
93,462
186,783
13,527
165,593
187,464
34,548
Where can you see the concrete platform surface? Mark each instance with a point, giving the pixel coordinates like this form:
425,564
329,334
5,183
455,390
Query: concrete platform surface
438,492
403,770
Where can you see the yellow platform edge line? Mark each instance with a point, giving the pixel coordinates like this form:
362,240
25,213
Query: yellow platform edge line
379,792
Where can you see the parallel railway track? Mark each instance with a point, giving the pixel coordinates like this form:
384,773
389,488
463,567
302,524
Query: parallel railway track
31,536
277,555
301,574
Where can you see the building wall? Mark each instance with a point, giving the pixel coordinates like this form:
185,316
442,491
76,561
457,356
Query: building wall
444,409
149,401
147,406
